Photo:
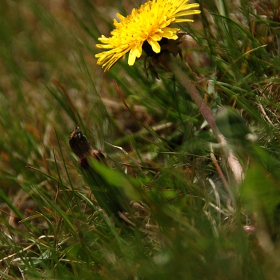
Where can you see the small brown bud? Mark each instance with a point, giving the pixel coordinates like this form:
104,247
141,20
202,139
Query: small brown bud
79,143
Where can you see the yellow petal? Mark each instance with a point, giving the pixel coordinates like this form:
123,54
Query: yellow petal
154,44
136,52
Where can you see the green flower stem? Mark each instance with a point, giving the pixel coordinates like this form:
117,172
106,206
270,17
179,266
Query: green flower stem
206,112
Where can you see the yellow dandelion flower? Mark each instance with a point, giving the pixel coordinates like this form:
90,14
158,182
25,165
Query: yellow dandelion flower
149,23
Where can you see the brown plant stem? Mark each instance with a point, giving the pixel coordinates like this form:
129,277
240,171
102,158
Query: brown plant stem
206,112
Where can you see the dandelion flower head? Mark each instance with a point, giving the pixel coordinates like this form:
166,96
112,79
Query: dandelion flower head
149,23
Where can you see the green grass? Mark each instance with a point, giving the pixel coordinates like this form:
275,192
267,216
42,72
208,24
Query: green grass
194,228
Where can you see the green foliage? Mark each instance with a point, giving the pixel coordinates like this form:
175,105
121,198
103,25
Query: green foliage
189,224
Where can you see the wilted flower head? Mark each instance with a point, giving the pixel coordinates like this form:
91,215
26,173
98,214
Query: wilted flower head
148,24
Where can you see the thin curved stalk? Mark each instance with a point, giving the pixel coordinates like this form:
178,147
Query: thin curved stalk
206,112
